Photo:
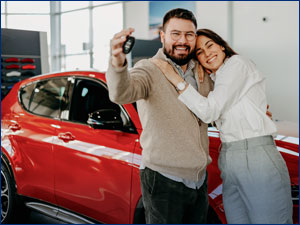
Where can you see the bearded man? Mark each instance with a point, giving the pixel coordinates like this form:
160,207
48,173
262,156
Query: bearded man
175,143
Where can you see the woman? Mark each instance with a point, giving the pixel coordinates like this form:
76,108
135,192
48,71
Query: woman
256,183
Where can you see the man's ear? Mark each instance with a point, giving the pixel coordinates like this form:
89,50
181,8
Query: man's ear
162,36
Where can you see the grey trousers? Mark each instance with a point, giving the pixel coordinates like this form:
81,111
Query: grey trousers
256,182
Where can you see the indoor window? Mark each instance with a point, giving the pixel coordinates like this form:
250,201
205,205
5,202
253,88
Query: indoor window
108,20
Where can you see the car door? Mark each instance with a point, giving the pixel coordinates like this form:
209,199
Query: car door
33,130
93,166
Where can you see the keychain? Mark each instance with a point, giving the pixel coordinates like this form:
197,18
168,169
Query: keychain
128,44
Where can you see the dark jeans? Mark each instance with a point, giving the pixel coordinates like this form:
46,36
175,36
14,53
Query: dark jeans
168,201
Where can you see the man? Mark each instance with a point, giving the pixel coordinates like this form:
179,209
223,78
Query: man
175,143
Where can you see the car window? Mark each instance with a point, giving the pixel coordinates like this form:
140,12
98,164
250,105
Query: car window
90,96
25,95
44,97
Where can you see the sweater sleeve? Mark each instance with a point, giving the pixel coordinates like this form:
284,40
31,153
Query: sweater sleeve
126,86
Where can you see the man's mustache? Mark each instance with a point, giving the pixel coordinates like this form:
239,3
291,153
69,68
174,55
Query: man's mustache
181,46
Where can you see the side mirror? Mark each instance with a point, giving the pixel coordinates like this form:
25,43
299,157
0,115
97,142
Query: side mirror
105,119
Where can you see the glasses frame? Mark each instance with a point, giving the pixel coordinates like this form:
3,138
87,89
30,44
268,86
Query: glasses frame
180,33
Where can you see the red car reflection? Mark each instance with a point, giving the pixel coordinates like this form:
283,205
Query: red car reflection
69,152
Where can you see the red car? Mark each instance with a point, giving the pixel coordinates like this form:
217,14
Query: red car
69,152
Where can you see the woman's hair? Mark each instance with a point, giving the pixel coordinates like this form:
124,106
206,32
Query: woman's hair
218,40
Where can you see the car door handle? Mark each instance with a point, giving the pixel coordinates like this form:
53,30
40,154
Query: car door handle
68,136
14,127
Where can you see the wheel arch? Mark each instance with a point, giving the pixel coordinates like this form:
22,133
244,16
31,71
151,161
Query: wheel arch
6,162
139,213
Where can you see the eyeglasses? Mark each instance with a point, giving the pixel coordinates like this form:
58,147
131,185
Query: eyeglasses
176,35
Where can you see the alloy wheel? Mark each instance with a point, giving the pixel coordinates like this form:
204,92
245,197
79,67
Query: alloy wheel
4,196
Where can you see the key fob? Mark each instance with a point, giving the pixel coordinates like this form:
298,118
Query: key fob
128,44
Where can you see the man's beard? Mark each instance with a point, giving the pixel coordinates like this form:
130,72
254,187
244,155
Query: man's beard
179,60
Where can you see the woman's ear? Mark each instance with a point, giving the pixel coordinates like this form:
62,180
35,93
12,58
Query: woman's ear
223,49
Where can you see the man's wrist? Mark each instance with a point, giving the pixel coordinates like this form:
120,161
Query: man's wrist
186,86
180,86
119,68
118,65
125,63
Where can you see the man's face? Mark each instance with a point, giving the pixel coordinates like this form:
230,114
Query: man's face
179,40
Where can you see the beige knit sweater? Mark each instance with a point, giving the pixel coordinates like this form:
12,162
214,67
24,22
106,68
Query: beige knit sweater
174,141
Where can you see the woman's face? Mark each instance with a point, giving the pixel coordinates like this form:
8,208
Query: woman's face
210,55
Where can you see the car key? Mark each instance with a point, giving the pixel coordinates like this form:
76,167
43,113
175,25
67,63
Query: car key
128,44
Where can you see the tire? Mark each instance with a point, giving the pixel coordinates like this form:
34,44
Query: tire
8,195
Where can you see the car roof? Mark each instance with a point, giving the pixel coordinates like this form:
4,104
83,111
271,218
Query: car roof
75,73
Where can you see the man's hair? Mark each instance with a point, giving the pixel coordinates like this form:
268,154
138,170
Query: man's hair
180,14
218,40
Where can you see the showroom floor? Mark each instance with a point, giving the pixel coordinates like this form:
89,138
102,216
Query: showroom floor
37,218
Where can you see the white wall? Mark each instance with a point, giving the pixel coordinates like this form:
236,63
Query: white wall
136,15
214,15
273,45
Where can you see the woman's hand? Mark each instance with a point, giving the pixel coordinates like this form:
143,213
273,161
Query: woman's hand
168,71
208,71
269,114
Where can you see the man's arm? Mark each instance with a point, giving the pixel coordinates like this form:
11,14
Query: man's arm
124,86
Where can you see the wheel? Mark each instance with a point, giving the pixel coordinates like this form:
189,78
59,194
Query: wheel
7,195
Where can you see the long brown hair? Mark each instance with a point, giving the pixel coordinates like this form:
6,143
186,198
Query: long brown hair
218,40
